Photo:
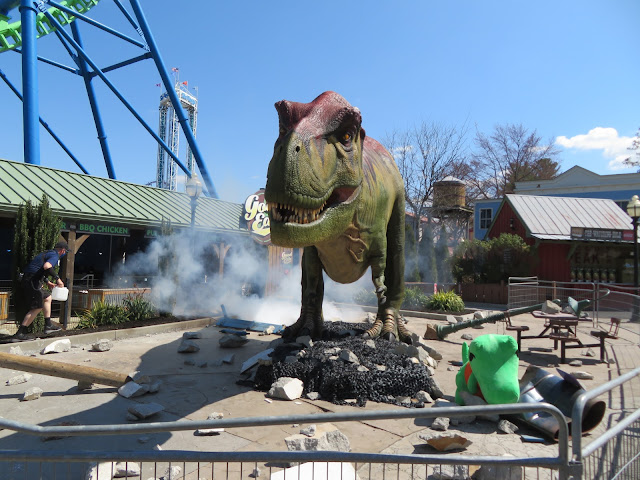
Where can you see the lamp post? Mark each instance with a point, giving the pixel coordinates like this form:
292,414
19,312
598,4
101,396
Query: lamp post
194,189
633,209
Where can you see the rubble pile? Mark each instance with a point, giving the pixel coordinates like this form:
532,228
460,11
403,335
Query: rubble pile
346,367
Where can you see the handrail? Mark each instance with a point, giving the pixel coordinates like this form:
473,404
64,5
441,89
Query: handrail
576,416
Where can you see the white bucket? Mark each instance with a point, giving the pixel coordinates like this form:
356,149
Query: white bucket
60,294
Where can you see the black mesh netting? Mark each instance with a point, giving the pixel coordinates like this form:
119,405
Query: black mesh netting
389,375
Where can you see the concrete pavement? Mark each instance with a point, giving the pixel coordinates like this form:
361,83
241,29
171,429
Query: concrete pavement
193,392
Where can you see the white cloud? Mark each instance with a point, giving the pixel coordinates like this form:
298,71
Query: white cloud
614,147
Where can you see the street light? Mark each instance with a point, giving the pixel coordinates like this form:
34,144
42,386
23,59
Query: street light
194,189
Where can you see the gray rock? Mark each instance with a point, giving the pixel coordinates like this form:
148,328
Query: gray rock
575,363
215,416
451,472
466,336
84,385
229,358
362,368
155,386
479,314
611,361
506,426
451,319
381,368
327,438
436,390
331,351
582,375
189,346
102,345
491,472
589,353
348,356
138,377
16,350
370,343
145,410
126,469
190,363
451,369
305,340
191,335
313,395
172,473
100,470
131,417
132,389
550,307
478,327
286,388
441,424
33,393
232,341
403,400
57,346
18,379
424,397
309,431
256,473
268,331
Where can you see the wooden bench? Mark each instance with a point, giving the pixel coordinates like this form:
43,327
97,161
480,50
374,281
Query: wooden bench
565,338
515,328
602,335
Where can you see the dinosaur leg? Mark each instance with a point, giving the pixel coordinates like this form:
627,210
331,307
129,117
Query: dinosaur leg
311,320
394,274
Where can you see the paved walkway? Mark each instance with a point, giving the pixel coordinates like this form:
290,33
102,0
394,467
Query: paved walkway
193,392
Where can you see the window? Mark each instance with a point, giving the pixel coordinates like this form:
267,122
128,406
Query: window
486,215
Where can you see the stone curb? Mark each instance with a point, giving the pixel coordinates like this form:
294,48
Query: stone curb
93,337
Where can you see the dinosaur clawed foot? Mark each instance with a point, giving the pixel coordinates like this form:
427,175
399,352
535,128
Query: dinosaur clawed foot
389,327
306,325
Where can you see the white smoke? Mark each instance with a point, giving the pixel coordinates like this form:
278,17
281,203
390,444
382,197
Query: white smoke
193,286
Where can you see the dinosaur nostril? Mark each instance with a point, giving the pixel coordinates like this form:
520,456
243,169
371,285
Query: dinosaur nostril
297,148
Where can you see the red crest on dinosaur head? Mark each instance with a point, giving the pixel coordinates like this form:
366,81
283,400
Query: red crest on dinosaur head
325,114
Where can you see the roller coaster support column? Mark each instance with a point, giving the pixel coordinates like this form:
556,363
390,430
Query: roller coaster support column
102,136
30,116
168,85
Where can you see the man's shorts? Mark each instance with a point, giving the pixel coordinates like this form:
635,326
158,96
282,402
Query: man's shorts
33,293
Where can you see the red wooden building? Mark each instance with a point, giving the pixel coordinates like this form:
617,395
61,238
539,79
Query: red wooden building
574,239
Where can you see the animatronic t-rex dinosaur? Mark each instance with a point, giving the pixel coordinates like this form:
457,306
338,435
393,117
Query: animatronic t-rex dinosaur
339,194
489,370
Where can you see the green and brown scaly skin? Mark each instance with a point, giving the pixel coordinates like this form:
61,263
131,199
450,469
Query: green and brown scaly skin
338,194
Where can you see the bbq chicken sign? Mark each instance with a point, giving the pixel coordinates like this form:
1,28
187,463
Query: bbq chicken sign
255,213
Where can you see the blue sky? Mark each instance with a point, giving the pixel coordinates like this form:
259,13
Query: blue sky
567,69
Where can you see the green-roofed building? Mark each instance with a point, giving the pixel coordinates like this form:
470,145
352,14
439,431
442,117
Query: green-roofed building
108,220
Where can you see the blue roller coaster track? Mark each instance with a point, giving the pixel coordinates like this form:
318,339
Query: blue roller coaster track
39,18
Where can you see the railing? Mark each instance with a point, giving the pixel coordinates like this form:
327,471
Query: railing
615,453
326,465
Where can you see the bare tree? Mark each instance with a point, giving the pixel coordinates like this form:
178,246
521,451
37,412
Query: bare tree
634,161
425,155
510,154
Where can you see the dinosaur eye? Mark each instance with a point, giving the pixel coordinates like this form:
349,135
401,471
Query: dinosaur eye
346,137
471,356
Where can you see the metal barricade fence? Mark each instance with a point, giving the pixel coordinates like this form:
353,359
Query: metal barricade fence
319,465
615,453
525,291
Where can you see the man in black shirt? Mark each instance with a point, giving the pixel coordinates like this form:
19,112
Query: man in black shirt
38,299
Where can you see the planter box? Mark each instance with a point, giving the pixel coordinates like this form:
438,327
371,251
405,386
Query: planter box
84,299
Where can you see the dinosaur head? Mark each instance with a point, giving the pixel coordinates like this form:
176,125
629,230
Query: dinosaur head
315,174
494,362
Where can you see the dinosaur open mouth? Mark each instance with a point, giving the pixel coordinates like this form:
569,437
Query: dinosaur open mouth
280,212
